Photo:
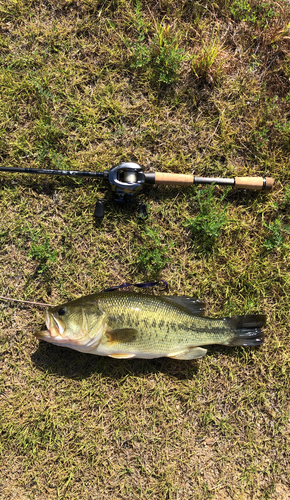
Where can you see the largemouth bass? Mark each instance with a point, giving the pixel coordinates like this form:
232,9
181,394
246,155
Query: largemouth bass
134,325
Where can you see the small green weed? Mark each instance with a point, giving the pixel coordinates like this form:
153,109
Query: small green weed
259,14
283,128
166,55
287,69
212,217
206,60
276,234
271,125
162,57
141,52
153,253
241,10
42,252
286,200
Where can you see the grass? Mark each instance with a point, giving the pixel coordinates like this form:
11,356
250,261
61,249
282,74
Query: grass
211,217
162,57
176,87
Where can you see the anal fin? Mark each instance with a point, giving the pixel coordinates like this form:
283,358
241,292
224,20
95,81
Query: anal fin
191,353
121,355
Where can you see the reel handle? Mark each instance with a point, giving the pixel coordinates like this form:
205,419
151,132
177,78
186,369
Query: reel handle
251,183
254,183
171,179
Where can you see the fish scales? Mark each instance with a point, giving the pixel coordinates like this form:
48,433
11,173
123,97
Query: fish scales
160,323
127,325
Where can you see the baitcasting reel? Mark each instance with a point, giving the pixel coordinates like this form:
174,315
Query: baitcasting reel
126,179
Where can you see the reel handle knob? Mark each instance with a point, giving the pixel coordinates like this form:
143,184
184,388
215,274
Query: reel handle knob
99,210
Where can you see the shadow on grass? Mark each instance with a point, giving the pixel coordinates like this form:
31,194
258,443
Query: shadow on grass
42,184
75,365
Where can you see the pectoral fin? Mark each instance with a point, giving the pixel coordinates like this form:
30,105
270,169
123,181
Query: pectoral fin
124,335
121,355
121,336
191,353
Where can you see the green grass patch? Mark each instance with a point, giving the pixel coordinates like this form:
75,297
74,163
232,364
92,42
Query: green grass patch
160,55
211,217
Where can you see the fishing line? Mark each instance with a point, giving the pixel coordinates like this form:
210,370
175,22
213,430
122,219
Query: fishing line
8,299
163,287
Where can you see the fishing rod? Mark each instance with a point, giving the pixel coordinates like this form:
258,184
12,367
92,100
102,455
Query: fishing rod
127,179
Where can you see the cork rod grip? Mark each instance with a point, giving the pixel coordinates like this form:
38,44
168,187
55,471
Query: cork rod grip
170,179
254,183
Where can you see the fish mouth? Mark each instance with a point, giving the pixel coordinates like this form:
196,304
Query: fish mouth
55,329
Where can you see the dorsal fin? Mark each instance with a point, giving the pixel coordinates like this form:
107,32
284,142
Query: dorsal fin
189,304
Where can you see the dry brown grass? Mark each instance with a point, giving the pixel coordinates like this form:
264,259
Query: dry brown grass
80,89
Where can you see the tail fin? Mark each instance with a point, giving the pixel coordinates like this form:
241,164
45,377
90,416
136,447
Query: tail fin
247,329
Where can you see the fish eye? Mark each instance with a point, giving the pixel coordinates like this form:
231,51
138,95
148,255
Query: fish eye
61,311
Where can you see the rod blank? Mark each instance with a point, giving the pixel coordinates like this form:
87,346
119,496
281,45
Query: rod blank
44,171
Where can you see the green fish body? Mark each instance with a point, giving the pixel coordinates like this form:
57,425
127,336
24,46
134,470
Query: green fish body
128,325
